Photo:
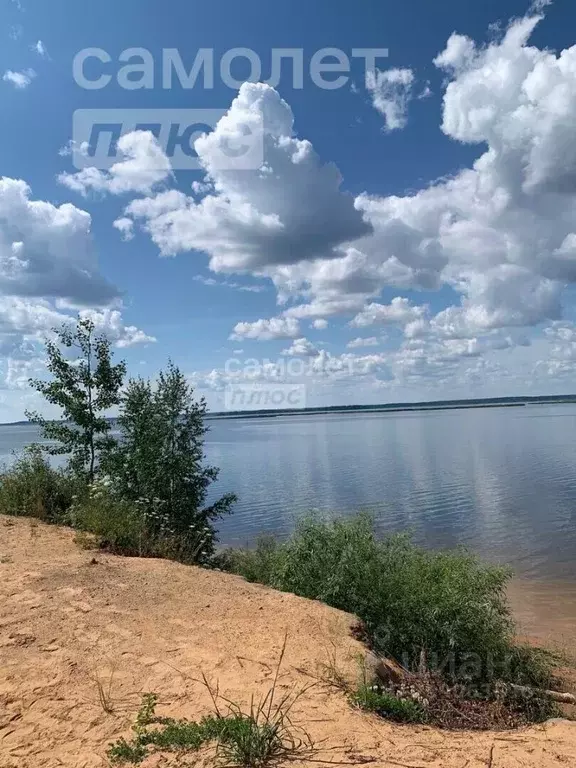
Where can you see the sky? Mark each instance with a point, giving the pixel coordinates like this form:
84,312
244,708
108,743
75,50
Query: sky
300,204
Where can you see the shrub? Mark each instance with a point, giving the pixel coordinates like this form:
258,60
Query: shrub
255,565
130,528
427,698
448,609
158,464
386,704
32,488
119,525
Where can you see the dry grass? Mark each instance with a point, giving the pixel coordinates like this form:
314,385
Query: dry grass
104,691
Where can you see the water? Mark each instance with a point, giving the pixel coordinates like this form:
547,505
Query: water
501,481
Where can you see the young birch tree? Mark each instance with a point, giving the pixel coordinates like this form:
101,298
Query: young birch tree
84,387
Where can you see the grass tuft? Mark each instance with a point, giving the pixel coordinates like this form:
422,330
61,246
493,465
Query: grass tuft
262,736
388,705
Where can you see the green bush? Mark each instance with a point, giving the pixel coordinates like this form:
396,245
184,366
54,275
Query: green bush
255,565
32,488
130,528
119,525
387,705
158,464
446,608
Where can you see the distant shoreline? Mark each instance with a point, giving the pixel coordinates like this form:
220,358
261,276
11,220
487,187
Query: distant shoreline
432,405
438,405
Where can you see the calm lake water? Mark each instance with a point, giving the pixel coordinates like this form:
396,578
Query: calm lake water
501,481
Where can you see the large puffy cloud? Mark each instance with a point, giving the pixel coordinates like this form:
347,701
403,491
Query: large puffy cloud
287,210
48,270
501,233
520,100
336,286
46,250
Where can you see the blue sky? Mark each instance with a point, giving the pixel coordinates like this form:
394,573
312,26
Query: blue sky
436,261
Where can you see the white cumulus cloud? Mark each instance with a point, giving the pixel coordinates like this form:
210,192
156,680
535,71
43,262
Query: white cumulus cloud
143,167
301,348
19,80
111,324
391,91
399,312
367,341
502,232
46,250
498,236
267,329
289,210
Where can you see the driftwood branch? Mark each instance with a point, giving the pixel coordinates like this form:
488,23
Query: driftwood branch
563,698
389,671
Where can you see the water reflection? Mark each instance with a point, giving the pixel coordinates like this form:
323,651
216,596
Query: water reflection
501,481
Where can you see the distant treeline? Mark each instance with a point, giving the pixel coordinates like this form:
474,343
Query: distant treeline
432,405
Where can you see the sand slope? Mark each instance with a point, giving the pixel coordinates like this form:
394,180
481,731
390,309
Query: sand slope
142,625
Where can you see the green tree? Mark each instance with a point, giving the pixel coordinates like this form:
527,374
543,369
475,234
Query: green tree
159,462
84,387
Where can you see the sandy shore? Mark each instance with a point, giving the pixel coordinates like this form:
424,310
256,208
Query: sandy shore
546,610
140,625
